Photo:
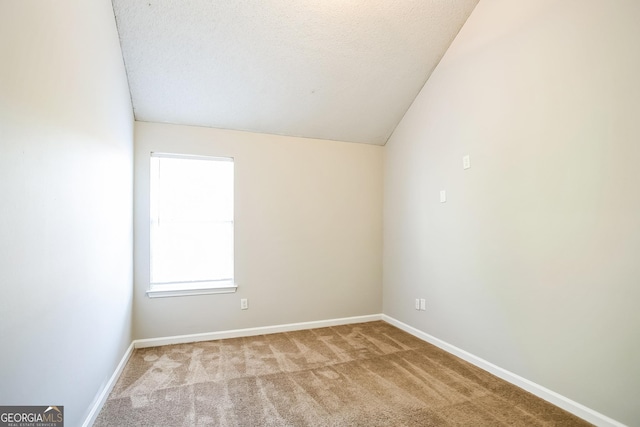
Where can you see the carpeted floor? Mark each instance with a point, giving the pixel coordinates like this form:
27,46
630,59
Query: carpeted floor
367,374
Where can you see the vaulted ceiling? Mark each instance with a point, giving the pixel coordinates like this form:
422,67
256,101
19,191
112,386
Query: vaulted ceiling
331,69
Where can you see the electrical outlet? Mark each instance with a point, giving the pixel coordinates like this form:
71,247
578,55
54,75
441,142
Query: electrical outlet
423,304
244,304
466,162
417,304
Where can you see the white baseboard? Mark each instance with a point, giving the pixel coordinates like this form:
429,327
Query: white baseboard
563,402
248,332
104,394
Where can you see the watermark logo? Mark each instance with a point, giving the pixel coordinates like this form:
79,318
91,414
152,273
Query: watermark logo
31,416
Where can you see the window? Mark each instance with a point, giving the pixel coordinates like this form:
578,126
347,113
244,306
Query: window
191,225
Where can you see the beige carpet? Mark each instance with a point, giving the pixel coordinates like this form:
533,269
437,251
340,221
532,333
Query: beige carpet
367,374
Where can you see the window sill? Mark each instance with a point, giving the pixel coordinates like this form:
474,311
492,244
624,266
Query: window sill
181,291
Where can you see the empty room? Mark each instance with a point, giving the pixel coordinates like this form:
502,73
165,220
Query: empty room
319,213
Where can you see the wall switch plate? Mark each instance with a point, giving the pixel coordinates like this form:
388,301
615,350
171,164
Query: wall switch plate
443,196
244,304
423,304
417,304
466,162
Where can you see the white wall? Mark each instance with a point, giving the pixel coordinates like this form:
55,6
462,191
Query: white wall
66,131
533,262
308,224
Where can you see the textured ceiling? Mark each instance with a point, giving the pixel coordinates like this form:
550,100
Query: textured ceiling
331,69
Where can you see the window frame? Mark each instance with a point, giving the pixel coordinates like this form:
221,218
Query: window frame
193,287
